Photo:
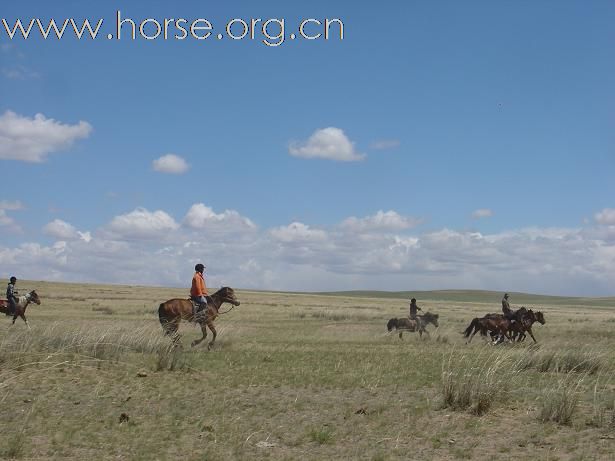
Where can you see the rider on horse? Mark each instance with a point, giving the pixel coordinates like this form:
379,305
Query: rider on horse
413,309
11,296
506,310
198,291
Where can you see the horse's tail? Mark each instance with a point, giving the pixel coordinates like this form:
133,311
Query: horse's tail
473,326
162,315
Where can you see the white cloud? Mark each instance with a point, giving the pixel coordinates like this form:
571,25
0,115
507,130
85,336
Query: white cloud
65,231
328,143
383,221
11,205
61,230
200,216
144,247
33,139
142,224
297,232
7,222
606,216
385,144
482,213
170,163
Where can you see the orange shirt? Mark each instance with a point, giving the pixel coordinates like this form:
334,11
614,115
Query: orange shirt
198,285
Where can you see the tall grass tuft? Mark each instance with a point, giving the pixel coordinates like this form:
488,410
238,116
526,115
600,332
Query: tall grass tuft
474,383
559,404
568,361
603,405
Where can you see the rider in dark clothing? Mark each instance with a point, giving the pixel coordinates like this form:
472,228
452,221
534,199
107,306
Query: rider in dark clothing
11,296
413,308
506,310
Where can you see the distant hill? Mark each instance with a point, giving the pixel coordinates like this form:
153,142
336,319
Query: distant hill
467,296
479,296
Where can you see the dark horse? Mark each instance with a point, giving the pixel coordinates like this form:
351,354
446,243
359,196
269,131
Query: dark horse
526,323
22,303
501,327
174,310
493,323
418,324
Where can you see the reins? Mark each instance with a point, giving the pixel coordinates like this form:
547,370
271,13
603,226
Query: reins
226,311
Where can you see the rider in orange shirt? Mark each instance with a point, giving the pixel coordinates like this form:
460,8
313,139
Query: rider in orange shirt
198,291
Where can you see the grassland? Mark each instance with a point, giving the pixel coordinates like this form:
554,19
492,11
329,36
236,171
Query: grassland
303,376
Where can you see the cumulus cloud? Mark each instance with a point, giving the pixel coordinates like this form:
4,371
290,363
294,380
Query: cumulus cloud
143,247
170,163
385,144
297,232
382,220
7,222
33,139
328,143
482,213
606,216
142,224
65,231
200,216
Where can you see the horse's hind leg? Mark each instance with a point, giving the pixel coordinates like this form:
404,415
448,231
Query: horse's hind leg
204,330
170,329
400,332
213,331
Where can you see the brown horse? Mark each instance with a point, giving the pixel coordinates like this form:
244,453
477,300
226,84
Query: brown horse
526,325
501,327
22,303
496,324
419,324
171,313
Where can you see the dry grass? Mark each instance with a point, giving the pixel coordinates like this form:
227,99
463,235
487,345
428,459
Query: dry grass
299,377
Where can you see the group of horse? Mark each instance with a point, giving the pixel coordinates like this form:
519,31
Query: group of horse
501,327
498,327
170,313
173,311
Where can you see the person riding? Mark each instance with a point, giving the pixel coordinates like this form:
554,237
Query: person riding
413,309
506,310
198,291
11,296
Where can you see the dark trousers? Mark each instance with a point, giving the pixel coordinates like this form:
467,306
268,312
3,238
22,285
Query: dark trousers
12,306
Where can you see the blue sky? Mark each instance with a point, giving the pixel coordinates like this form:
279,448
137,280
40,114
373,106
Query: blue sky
438,145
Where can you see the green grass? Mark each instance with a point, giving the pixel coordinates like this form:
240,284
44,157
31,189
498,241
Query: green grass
299,376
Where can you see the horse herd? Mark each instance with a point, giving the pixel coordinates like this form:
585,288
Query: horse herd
173,311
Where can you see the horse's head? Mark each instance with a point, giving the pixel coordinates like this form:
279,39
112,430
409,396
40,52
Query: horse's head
540,317
227,294
391,324
33,295
433,318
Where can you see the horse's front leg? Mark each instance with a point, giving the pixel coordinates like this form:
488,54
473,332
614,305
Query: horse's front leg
213,331
529,330
25,320
204,331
